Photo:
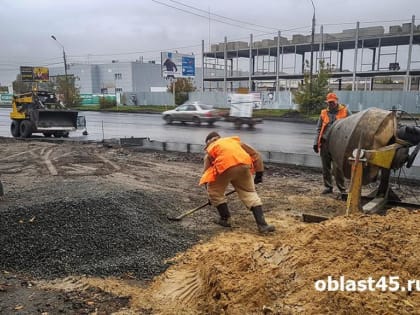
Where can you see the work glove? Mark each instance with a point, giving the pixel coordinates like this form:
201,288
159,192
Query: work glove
315,147
258,177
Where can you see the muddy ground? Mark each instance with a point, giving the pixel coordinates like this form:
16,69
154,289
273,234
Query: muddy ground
84,230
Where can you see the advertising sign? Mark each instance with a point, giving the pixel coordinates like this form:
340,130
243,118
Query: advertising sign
41,74
188,66
176,65
37,74
6,99
27,74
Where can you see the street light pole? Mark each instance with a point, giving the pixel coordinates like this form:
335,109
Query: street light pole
312,50
65,68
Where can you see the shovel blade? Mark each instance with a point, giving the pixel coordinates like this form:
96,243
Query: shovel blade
178,218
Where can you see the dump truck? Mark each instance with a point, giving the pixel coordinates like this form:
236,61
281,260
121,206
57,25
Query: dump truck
41,112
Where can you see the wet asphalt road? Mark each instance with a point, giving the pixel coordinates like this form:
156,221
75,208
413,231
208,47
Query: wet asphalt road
269,136
272,135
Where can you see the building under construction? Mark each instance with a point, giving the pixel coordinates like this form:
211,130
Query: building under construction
356,56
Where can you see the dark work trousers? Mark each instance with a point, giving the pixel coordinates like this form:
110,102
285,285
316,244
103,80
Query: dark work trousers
329,167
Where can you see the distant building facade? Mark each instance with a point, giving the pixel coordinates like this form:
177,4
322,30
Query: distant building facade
114,77
132,77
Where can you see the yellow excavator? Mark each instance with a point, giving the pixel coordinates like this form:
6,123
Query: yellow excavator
41,112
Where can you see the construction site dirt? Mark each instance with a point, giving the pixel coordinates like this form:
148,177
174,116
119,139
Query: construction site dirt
84,230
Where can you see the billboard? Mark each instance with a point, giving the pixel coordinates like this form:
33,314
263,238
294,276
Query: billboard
176,65
41,74
27,74
6,99
37,74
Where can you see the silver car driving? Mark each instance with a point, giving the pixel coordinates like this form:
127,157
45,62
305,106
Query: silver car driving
192,112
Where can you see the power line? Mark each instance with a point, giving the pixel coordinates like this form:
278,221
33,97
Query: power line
175,48
9,69
31,62
205,17
143,51
235,20
138,52
224,17
363,22
195,46
4,65
106,55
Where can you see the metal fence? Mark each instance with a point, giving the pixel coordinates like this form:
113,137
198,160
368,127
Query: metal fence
148,98
356,100
360,100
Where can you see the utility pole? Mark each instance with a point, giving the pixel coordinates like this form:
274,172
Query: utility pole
67,93
173,80
312,50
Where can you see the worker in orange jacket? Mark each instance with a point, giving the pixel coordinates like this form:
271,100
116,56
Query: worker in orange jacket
328,116
228,160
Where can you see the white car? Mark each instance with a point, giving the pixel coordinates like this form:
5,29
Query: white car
192,112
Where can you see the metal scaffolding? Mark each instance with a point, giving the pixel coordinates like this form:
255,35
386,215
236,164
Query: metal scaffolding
244,64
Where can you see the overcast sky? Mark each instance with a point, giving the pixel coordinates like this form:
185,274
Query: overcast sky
104,30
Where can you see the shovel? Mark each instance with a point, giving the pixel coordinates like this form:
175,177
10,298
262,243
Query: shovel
179,218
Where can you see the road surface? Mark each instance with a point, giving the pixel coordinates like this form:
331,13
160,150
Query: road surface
272,135
269,136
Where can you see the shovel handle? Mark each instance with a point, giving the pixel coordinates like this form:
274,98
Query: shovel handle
230,192
178,218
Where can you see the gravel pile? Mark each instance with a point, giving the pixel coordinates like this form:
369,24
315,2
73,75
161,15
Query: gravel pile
121,233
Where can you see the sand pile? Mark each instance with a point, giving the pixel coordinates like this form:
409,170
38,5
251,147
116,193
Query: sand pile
244,273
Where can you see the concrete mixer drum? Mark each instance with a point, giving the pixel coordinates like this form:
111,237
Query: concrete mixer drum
372,128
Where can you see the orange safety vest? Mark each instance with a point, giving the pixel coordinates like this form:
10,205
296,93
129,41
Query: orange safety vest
224,153
341,113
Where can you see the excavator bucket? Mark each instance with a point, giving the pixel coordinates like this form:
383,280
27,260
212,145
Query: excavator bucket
56,119
372,129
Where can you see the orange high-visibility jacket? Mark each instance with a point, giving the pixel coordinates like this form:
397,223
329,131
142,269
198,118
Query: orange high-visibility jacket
223,154
342,112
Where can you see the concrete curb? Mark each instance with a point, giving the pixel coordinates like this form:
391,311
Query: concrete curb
286,158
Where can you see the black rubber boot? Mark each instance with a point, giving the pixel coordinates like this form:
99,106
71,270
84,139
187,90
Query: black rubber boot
224,215
327,190
263,227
